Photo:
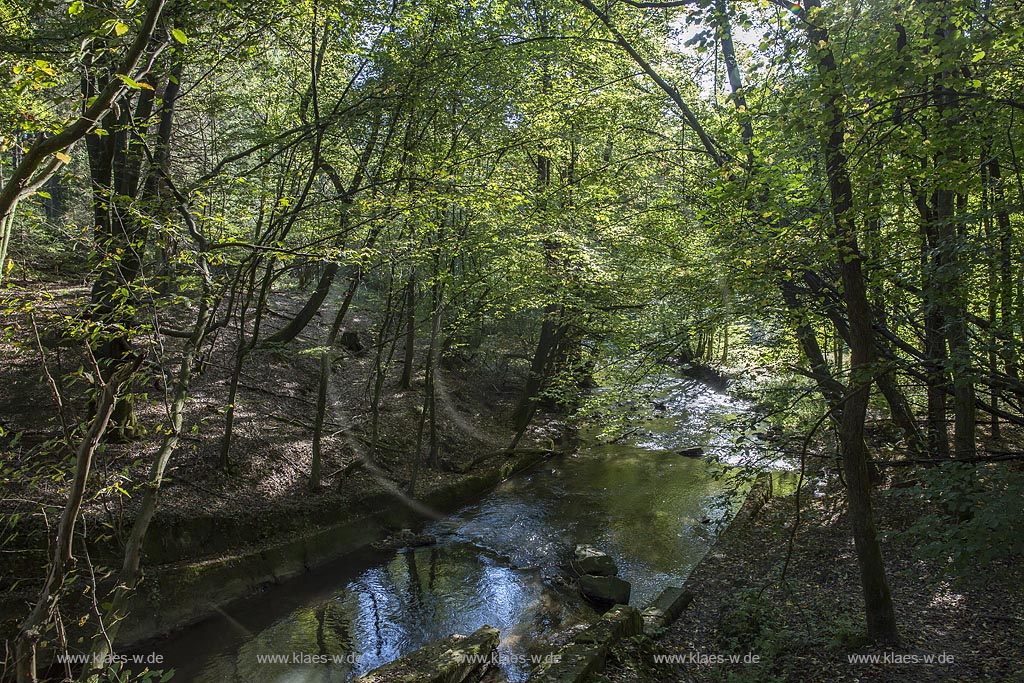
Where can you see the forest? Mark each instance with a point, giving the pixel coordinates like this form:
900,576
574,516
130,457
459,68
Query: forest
286,286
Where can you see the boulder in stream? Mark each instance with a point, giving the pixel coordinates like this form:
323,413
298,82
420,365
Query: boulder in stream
605,591
691,452
589,560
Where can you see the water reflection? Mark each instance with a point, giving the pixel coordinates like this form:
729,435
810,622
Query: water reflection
651,509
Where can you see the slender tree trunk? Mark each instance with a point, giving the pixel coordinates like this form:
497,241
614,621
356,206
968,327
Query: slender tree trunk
432,364
725,343
33,628
131,570
732,71
992,256
1007,328
410,330
243,349
428,412
831,388
382,363
156,180
881,617
934,336
326,360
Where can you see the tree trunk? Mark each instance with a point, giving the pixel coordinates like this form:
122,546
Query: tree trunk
120,241
382,363
410,330
429,407
312,305
243,349
550,333
326,359
1008,331
881,617
33,628
831,388
952,298
934,337
131,569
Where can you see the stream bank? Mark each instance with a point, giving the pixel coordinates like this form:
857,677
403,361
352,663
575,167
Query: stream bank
503,561
808,629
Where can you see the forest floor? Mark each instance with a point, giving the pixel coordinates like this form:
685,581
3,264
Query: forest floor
811,627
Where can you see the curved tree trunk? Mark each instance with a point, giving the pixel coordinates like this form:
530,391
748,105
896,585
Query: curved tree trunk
302,319
33,627
41,161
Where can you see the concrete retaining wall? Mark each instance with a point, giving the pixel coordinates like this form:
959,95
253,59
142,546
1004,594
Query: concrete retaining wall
176,595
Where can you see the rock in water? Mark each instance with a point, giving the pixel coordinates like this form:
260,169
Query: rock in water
605,591
691,452
589,560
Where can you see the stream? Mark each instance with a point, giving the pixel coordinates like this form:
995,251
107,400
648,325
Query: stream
497,561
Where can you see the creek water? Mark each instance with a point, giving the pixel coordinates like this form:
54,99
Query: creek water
497,561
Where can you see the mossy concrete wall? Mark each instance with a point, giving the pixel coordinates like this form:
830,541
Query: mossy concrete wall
455,659
174,595
585,655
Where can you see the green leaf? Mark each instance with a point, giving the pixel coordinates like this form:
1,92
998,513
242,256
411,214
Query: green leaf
120,28
134,84
129,81
179,36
